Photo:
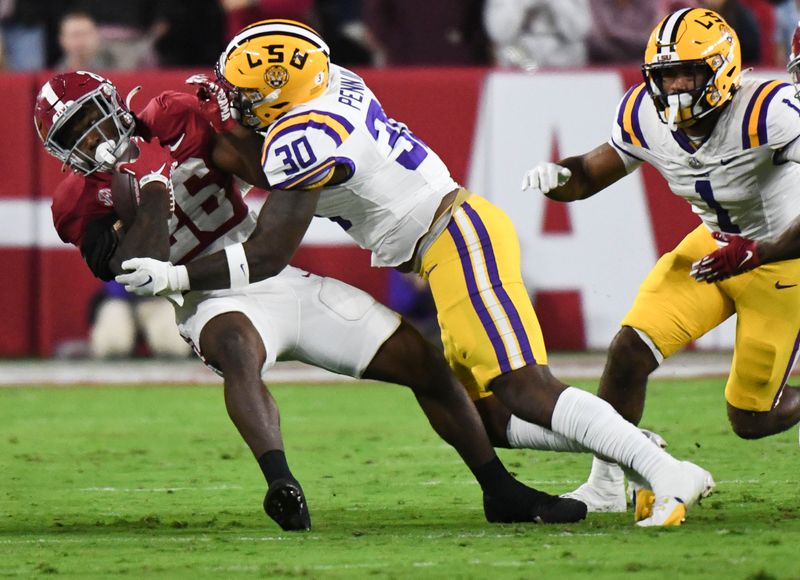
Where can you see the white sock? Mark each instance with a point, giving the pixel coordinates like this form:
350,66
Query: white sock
524,435
605,474
595,424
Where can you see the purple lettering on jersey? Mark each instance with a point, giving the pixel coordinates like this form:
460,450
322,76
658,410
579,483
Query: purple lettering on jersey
297,155
791,105
703,188
384,129
351,90
319,173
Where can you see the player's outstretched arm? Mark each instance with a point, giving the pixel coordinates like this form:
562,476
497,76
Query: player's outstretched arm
282,223
239,152
577,177
739,254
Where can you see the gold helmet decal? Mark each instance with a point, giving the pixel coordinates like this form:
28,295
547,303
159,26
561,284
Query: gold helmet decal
273,66
697,43
276,76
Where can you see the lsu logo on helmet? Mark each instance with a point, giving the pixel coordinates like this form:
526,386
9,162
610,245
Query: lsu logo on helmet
272,66
276,76
699,43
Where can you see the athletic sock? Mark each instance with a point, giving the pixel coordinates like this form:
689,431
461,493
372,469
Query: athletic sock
605,475
274,466
495,480
595,424
524,435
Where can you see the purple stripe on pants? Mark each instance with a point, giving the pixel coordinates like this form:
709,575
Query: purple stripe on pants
789,366
475,298
497,285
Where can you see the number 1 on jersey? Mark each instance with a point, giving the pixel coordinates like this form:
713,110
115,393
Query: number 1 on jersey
703,189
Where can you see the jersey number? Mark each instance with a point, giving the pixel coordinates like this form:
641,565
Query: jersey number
703,189
392,136
205,205
296,155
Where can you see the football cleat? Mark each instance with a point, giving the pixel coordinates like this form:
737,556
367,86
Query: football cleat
607,499
670,510
605,490
537,507
642,500
642,497
286,504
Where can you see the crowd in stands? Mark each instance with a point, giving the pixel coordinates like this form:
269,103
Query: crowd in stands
529,34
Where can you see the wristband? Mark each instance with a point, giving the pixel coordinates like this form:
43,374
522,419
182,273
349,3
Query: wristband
238,269
179,278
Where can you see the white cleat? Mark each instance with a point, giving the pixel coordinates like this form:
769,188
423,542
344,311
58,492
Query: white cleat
693,484
608,499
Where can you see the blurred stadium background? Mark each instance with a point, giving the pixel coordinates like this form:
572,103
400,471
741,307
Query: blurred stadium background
440,75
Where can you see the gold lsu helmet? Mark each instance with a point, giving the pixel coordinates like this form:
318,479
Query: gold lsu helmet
271,67
700,43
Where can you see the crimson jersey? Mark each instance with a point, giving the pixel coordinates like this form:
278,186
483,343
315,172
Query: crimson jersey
209,210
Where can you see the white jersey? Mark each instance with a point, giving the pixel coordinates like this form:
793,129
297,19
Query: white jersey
396,182
735,181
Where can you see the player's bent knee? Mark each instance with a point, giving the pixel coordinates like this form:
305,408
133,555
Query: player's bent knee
495,417
406,358
231,343
631,355
751,424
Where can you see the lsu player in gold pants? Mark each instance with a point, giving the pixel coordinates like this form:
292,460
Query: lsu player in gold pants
730,147
330,150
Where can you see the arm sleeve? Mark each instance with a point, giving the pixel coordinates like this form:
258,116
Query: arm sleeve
99,244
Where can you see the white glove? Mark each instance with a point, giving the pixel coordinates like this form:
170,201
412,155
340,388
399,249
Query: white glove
546,176
149,277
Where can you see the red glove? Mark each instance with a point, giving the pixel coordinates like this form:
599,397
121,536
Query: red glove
153,164
737,256
214,103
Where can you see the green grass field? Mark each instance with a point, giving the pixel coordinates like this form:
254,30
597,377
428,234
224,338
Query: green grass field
155,482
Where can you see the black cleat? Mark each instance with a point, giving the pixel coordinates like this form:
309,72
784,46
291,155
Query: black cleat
286,504
538,507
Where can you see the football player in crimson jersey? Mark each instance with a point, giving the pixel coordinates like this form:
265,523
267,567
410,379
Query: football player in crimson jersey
730,147
180,159
331,150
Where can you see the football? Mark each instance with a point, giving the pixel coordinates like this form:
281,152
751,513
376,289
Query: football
123,193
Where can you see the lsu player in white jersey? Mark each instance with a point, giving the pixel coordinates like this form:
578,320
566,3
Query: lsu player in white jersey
729,146
330,149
